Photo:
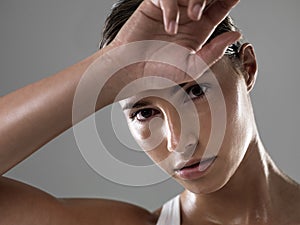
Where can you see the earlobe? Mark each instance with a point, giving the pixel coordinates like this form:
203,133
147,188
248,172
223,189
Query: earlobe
249,64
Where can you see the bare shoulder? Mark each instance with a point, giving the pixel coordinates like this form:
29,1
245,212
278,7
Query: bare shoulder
290,207
24,204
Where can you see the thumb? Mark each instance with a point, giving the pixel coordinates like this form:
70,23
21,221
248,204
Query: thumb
215,49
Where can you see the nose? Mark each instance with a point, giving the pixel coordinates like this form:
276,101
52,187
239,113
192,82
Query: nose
175,141
173,127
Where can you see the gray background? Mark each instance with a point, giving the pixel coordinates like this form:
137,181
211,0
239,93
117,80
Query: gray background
40,37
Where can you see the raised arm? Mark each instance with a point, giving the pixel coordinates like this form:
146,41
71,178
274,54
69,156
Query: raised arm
32,116
35,114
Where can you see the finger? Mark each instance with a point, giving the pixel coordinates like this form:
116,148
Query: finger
195,9
212,16
170,15
215,49
218,10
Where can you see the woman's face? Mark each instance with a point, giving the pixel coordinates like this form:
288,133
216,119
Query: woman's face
198,133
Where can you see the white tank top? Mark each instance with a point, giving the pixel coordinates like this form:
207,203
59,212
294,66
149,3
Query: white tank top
170,213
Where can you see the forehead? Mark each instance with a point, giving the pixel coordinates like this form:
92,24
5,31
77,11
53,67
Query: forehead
216,75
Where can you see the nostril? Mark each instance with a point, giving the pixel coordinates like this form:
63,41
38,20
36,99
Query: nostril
190,146
186,147
191,141
189,150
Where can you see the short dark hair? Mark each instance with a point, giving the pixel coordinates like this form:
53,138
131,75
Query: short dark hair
123,9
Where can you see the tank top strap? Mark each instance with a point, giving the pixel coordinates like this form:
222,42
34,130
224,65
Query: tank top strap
170,213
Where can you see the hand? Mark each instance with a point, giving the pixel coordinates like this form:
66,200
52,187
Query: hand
150,22
174,21
171,12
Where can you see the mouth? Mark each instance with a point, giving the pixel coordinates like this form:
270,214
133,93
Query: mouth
194,168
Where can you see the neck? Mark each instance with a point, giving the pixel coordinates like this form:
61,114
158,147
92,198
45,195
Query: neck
246,199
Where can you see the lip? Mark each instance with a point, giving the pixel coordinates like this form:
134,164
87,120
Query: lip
194,169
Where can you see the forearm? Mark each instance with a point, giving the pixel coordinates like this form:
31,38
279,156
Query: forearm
32,116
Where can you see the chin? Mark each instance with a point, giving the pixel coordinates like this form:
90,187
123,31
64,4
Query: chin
202,188
205,185
198,187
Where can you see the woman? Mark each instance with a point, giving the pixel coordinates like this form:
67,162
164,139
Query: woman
235,183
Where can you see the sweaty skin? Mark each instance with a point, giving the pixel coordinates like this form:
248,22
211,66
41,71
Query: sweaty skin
242,186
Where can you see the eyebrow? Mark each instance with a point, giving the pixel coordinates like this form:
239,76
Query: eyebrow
134,105
143,103
179,86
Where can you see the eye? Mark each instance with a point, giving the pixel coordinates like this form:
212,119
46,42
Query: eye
144,114
196,91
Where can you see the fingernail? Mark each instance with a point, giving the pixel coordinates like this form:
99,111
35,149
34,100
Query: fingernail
197,11
172,28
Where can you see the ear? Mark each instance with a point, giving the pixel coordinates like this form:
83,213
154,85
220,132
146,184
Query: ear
249,65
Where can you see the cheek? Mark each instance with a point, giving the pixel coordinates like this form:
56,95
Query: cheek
224,122
150,139
139,132
149,136
239,131
213,121
205,120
